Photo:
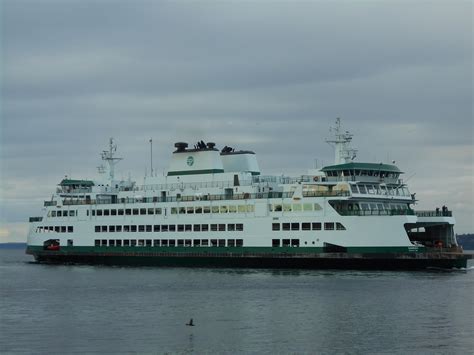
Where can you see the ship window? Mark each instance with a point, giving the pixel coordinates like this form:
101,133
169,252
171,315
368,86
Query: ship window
250,208
221,227
99,212
317,207
151,211
106,213
286,226
197,242
172,228
156,242
190,210
215,209
174,210
135,211
307,207
239,242
204,227
296,207
232,209
213,227
286,242
340,227
239,227
277,208
295,242
287,207
133,243
118,242
198,210
187,242
126,228
103,228
231,227
197,227
241,208
180,227
58,213
141,228
171,243
370,189
148,242
275,226
373,207
72,213
231,242
97,243
213,242
70,229
354,189
118,228
180,242
164,228
223,209
66,213
222,242
112,212
275,243
128,211
188,227
329,226
306,226
112,243
182,210
205,242
120,212
104,242
156,228
112,229
295,226
316,226
164,242
93,212
133,228
126,242
362,189
53,213
379,206
142,210
207,209
365,206
148,228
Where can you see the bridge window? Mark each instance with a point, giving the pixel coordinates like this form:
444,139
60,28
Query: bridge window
275,243
204,227
316,226
340,227
329,226
306,226
239,227
275,226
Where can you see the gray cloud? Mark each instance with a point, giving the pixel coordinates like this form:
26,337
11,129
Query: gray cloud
267,76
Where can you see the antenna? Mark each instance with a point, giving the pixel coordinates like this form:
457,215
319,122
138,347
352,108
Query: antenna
151,156
108,156
344,153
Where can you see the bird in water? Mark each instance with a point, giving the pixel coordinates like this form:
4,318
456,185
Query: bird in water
191,324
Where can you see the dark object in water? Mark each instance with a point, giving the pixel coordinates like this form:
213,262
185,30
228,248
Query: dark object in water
191,324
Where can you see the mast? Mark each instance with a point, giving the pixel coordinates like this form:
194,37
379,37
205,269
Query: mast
341,141
108,157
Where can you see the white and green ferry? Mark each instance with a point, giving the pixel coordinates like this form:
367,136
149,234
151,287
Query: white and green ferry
215,208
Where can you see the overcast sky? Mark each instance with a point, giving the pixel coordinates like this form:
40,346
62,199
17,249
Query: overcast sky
260,75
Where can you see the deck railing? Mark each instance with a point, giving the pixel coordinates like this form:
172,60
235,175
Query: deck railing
376,212
436,213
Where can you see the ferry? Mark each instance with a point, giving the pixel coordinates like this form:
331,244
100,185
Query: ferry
214,208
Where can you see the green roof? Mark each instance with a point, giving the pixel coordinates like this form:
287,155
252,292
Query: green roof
363,166
69,182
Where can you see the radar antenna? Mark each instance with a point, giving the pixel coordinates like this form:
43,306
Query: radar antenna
341,142
108,157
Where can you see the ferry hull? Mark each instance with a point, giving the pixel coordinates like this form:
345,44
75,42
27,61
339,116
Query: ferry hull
354,261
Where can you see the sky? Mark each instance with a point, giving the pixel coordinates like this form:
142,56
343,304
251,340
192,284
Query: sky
267,76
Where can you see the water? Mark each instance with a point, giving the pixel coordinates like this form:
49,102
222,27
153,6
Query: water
65,309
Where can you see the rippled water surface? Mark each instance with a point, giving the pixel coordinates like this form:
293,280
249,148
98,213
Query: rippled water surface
83,309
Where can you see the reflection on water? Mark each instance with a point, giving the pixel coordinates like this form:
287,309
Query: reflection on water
130,309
